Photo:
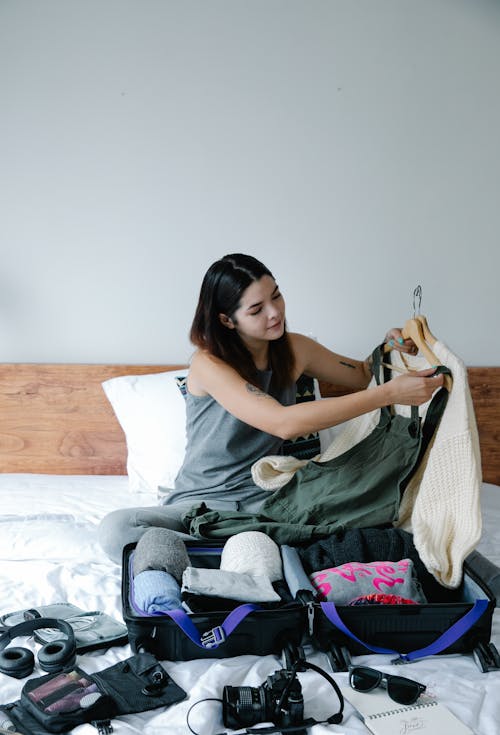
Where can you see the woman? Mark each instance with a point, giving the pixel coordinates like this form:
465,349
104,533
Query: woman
240,400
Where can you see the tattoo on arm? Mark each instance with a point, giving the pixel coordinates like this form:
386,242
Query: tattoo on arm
347,364
256,391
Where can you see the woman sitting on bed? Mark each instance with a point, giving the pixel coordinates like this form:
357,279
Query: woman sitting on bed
240,401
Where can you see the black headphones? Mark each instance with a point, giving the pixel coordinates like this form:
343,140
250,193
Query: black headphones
52,657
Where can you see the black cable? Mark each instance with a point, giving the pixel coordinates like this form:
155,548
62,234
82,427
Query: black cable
208,699
337,717
288,686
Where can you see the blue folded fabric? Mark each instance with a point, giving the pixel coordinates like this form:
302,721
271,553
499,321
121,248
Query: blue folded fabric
156,591
294,573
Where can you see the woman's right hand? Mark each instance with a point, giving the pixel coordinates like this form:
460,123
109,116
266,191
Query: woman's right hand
414,388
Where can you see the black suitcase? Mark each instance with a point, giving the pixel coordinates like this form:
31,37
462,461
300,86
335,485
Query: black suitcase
260,631
460,625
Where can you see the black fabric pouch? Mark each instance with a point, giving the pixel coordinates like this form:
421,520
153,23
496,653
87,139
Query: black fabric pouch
59,702
15,718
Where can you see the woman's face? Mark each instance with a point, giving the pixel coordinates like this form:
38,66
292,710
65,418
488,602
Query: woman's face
260,315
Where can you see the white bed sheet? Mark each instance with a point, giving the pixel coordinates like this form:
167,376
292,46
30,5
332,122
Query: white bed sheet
49,553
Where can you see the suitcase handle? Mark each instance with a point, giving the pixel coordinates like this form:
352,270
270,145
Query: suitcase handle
451,635
215,636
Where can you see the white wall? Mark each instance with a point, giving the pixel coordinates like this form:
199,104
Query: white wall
353,145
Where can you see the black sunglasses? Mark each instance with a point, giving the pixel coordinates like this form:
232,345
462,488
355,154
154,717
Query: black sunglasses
401,690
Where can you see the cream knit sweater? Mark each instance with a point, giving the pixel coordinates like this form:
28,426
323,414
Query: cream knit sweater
441,504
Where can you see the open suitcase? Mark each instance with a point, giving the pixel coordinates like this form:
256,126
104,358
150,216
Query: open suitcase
184,636
460,625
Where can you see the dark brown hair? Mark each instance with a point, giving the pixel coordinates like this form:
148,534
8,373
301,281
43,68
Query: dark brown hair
220,293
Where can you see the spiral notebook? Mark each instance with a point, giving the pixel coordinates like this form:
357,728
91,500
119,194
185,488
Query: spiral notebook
383,716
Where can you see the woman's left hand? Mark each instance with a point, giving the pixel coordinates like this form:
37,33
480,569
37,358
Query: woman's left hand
394,338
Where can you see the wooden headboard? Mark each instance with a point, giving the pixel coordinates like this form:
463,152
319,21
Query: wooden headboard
56,419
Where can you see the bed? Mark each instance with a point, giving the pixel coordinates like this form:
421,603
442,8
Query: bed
64,464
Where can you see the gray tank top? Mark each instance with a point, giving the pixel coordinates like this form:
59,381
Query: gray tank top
221,450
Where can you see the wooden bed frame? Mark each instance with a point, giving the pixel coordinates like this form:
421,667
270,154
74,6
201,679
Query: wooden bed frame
56,419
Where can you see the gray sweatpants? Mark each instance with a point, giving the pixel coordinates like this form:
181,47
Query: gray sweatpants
127,525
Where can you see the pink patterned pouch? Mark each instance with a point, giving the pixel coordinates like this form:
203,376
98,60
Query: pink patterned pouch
344,583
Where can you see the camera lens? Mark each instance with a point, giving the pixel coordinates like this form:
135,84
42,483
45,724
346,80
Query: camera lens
243,706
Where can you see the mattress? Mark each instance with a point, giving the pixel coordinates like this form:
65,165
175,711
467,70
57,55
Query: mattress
49,553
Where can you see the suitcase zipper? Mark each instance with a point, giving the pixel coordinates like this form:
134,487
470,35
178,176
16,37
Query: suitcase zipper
310,617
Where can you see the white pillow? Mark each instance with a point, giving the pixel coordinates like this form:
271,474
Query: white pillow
152,413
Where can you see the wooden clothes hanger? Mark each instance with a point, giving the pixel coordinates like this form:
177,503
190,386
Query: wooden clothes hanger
418,330
413,329
428,336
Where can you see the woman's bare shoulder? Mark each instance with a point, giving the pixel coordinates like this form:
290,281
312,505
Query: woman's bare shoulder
301,348
204,360
297,339
206,371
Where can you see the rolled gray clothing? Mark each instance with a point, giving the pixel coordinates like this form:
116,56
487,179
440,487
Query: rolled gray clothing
163,550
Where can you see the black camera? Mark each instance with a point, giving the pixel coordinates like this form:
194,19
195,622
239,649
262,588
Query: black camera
278,700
